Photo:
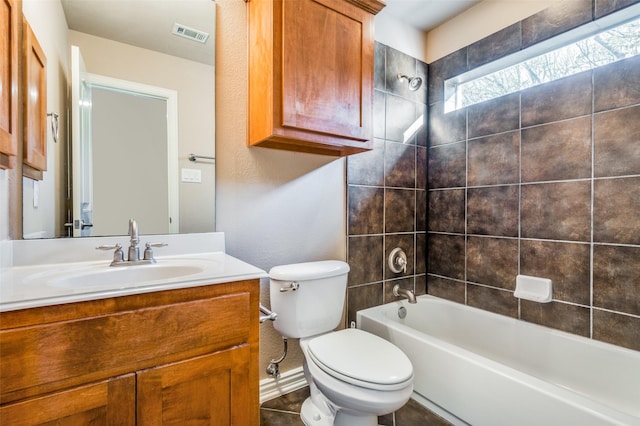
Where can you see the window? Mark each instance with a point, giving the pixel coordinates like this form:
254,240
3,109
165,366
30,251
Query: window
547,62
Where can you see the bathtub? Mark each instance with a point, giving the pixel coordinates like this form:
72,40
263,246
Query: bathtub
477,368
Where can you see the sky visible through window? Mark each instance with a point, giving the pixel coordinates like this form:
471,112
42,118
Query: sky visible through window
600,49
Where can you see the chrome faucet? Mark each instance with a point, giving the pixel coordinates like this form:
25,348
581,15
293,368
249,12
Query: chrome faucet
401,292
134,250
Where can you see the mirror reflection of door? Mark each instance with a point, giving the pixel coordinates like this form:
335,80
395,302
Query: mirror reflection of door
81,148
133,159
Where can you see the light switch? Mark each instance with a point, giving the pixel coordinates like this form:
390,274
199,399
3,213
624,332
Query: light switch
192,175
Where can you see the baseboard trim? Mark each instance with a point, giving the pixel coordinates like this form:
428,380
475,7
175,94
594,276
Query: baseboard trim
288,381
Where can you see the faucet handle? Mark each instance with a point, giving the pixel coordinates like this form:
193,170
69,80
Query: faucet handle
398,261
148,251
118,254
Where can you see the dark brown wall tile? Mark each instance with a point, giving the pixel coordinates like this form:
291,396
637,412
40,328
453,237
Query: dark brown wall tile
557,151
494,160
421,210
495,116
447,166
444,68
397,192
421,168
565,98
617,142
447,210
570,318
421,254
363,297
617,85
446,127
618,329
604,7
406,243
399,63
422,119
616,278
498,301
366,259
557,211
561,137
400,210
400,165
379,114
446,289
617,210
365,210
445,255
495,46
401,113
493,211
422,71
367,168
567,265
492,261
556,19
421,285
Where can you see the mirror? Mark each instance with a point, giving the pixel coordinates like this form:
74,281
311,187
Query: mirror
156,43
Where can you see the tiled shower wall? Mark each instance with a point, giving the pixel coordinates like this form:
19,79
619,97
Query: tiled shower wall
543,182
387,187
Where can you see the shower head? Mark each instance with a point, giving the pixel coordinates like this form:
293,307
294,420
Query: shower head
414,82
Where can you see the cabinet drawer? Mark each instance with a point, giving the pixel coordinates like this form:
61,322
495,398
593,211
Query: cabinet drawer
45,358
110,402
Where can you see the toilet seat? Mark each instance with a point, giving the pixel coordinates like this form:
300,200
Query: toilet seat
362,359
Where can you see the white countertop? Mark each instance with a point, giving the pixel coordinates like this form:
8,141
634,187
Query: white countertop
29,283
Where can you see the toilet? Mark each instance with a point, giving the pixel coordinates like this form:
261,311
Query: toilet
353,376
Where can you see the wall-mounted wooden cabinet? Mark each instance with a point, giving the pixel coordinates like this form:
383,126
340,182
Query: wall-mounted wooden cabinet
35,106
8,82
185,356
311,75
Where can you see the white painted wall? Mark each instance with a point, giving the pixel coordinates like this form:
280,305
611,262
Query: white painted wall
275,207
394,33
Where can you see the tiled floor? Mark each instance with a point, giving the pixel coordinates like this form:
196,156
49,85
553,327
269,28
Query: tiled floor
285,411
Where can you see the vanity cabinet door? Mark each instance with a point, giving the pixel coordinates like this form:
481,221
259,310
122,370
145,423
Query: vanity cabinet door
8,82
311,75
208,390
110,402
35,104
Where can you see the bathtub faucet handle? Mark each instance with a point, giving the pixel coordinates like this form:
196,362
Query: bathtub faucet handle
398,261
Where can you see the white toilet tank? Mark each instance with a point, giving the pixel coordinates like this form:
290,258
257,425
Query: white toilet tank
316,305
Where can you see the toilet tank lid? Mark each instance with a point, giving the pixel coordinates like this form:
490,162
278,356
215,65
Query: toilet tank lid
309,270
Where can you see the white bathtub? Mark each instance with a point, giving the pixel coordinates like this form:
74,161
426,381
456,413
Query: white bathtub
478,368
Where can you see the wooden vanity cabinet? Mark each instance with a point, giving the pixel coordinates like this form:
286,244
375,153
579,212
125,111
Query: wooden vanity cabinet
186,356
311,75
8,82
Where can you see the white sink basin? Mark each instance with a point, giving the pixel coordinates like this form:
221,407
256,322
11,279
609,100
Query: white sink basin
86,276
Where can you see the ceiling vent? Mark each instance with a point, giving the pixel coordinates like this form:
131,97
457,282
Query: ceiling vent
190,33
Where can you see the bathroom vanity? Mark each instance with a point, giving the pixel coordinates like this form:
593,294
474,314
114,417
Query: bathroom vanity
167,351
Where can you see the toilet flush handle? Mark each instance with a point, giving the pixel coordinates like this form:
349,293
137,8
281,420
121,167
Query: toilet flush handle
293,286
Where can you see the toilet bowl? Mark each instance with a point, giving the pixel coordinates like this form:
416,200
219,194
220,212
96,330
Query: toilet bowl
353,376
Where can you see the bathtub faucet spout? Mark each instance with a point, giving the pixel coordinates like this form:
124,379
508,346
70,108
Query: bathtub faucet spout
401,292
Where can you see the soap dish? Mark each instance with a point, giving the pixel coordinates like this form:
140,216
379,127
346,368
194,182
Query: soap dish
533,288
